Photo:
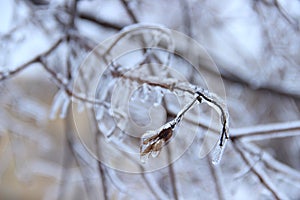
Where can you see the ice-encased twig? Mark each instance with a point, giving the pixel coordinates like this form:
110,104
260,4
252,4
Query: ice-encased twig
260,173
268,131
200,95
153,141
217,104
273,164
217,154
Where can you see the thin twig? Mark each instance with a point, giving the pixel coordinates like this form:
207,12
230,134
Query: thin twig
186,17
78,159
101,167
100,22
36,59
103,179
286,16
152,185
263,178
271,163
60,83
282,12
215,174
66,160
129,11
172,174
268,131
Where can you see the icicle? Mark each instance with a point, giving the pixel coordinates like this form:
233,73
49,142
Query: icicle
89,105
159,96
134,96
218,153
107,124
144,158
104,86
219,106
146,146
58,102
144,93
64,108
99,113
154,154
80,107
157,148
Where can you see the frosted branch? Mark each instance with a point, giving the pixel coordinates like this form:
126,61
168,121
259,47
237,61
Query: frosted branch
9,74
269,131
272,163
259,172
153,141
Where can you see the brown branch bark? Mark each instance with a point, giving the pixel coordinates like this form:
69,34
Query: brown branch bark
100,22
129,11
36,59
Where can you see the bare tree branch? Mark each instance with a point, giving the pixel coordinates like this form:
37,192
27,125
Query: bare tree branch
36,59
261,175
129,11
267,131
172,175
100,22
217,176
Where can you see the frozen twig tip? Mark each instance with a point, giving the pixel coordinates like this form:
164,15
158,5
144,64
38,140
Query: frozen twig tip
153,141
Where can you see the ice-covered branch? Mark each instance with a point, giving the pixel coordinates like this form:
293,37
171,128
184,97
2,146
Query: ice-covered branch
8,74
282,12
153,141
259,172
129,11
100,22
271,163
269,131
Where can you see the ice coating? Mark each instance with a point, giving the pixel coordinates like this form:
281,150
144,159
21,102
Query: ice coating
153,141
218,153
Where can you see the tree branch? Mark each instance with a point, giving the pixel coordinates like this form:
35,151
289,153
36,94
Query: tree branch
172,174
129,11
36,59
261,175
100,22
217,176
269,131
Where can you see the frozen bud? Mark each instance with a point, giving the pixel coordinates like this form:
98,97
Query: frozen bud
156,148
153,141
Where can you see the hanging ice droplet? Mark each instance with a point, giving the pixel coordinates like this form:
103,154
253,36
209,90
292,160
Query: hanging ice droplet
80,107
217,154
144,158
58,102
144,93
157,148
64,108
99,113
107,124
159,96
154,154
134,95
